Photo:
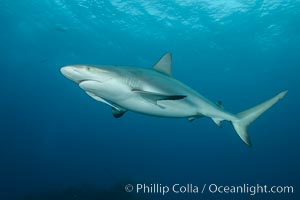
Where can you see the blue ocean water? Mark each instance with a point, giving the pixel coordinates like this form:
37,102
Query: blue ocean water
58,143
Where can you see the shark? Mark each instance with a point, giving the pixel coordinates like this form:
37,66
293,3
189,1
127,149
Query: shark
154,91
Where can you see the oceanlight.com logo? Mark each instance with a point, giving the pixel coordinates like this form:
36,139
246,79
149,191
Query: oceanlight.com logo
163,189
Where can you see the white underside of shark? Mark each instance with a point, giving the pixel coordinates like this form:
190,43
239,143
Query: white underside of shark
155,92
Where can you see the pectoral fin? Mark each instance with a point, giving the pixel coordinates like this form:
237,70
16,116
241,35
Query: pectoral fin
117,111
192,118
155,97
97,98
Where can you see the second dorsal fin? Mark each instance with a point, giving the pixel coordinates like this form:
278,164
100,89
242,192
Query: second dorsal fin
164,64
220,104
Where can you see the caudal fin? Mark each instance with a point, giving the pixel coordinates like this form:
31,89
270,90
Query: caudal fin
246,117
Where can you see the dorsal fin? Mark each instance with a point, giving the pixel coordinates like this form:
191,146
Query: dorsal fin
220,104
164,64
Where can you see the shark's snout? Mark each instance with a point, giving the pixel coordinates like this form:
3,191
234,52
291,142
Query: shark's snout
68,70
65,69
71,72
79,73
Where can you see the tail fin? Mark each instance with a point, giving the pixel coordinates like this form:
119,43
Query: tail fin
246,117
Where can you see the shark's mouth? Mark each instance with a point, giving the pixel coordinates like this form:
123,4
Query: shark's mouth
84,80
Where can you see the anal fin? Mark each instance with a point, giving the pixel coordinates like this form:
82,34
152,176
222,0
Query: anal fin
217,121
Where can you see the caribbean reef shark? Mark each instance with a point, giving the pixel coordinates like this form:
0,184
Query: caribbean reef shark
155,92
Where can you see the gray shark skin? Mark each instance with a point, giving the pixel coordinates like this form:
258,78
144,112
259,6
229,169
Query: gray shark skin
155,92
